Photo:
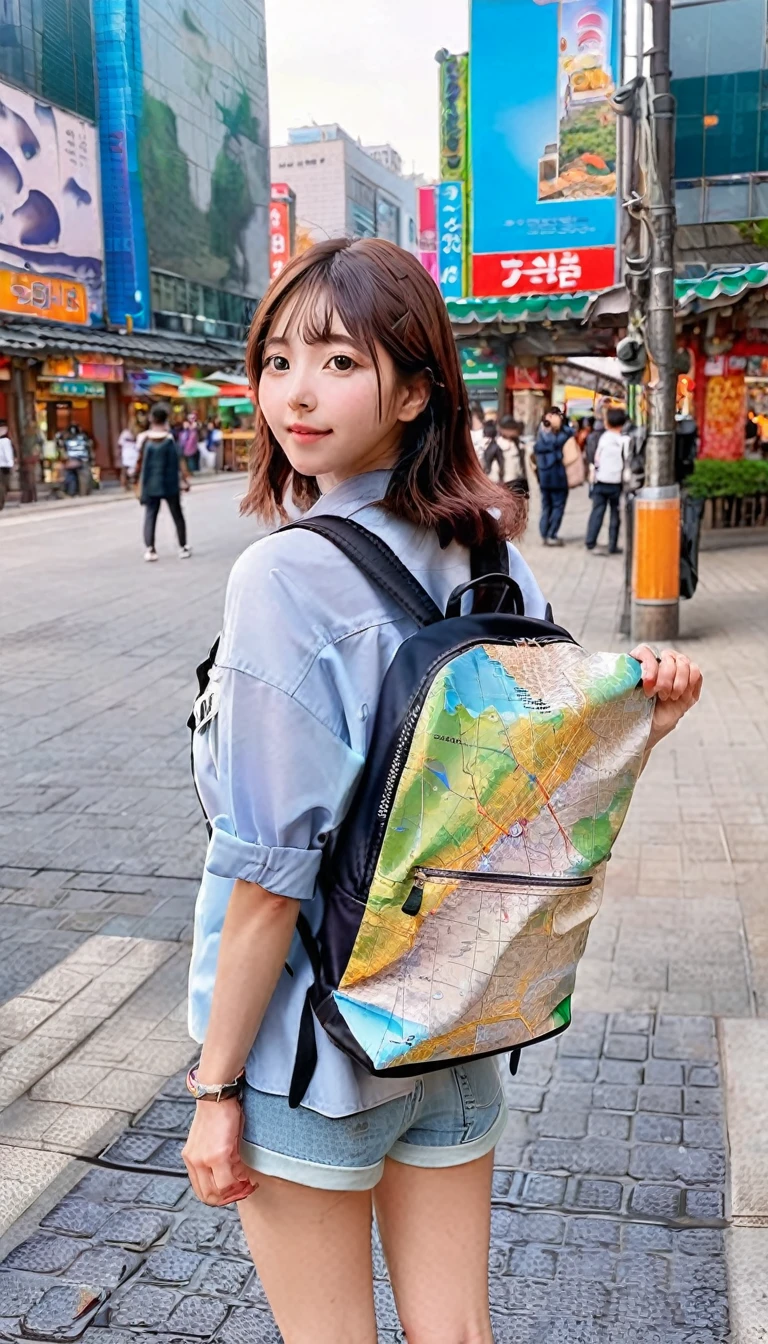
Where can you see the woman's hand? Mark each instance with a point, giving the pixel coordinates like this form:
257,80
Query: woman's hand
212,1154
675,681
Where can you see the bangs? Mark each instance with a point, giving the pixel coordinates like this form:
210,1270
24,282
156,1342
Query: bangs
313,308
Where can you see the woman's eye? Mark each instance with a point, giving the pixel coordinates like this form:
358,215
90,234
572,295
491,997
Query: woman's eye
277,362
342,363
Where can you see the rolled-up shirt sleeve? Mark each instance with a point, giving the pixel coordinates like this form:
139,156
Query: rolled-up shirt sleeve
275,783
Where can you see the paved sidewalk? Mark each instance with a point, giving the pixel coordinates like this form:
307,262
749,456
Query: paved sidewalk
614,1216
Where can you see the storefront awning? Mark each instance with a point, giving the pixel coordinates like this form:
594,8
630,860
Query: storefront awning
522,308
193,390
149,349
726,285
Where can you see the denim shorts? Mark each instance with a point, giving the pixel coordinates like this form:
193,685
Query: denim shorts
452,1116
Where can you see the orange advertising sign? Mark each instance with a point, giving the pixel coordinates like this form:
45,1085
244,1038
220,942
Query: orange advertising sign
43,296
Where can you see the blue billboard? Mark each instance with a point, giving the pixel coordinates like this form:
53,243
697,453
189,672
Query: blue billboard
451,226
543,144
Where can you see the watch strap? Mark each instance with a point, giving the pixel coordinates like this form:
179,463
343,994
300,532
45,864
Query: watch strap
215,1091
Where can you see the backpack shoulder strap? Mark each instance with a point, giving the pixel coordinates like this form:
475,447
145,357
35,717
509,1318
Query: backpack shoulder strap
379,564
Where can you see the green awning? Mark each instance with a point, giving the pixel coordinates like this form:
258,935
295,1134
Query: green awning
522,308
729,285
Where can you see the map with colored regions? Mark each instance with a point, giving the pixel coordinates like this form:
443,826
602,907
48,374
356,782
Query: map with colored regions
517,781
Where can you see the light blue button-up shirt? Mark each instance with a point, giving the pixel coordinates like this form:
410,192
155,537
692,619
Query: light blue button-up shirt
305,645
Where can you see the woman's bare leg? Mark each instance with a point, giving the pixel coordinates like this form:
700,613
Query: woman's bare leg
312,1249
435,1227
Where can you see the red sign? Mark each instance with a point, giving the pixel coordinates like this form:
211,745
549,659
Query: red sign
279,237
527,380
549,271
427,219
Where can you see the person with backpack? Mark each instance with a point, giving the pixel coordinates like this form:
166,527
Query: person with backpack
550,469
330,733
162,475
606,475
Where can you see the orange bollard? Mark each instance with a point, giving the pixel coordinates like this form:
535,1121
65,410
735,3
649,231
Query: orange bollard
655,560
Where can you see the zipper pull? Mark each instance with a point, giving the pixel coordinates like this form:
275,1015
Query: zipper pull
412,903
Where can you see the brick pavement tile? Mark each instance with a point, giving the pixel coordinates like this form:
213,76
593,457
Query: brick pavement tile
69,1082
124,1091
27,1122
21,1015
164,1057
59,985
33,1057
83,1130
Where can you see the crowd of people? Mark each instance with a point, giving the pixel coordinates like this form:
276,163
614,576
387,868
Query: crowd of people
565,454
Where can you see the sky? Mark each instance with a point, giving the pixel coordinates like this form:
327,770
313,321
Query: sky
367,64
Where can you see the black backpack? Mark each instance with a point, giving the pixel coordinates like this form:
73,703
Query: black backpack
460,888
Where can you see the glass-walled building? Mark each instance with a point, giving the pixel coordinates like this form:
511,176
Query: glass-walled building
46,46
720,81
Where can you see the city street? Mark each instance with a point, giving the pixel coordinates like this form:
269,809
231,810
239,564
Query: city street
631,1197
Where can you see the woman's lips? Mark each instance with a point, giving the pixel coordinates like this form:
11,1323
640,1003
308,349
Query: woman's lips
306,434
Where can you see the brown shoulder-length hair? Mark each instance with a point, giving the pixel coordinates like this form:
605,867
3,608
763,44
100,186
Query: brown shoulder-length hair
384,297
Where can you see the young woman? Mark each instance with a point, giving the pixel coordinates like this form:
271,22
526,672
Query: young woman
361,412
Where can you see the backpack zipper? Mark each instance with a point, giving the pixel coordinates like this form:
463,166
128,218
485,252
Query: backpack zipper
501,879
412,903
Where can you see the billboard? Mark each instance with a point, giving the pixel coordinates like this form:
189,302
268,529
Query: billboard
50,217
543,145
426,206
451,237
454,149
279,236
42,296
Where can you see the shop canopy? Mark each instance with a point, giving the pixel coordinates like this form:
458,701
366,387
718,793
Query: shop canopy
231,379
521,308
192,389
236,404
723,284
28,336
231,390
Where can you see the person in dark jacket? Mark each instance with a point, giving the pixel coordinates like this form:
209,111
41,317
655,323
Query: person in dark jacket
553,482
162,476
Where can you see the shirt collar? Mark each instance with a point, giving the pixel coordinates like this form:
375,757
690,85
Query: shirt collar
352,494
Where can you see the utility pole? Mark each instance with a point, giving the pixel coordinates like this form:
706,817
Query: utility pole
656,558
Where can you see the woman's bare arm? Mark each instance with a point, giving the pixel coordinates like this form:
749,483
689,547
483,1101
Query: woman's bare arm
255,941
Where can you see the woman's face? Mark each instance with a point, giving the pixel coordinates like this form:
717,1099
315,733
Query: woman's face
321,402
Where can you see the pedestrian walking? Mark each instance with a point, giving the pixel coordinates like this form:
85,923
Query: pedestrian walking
607,474
76,450
129,456
550,470
477,428
7,459
190,443
492,452
362,413
515,474
162,476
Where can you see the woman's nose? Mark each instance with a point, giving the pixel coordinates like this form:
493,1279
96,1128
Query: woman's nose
301,397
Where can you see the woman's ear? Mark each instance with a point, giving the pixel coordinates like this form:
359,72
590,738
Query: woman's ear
414,396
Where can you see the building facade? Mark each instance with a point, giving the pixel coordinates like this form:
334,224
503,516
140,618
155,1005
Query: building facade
720,81
184,131
134,235
343,190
